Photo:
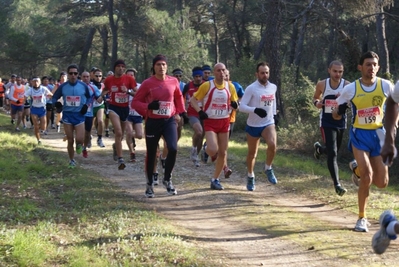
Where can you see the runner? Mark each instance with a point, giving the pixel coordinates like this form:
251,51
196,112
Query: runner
219,98
98,108
38,95
17,100
332,131
367,97
134,127
194,120
94,94
160,101
76,97
118,87
259,100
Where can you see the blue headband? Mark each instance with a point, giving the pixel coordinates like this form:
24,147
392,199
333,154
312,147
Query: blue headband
198,72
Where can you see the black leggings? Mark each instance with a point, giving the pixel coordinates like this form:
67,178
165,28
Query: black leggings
333,139
154,129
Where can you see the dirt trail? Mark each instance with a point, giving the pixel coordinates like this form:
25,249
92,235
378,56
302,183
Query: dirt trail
204,213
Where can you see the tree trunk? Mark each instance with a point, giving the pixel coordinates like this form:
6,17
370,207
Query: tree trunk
383,52
114,30
86,49
272,47
294,39
216,37
104,39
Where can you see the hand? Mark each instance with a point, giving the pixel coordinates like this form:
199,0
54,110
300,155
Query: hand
18,102
234,104
185,117
342,109
83,110
388,153
202,115
154,105
123,88
58,107
260,112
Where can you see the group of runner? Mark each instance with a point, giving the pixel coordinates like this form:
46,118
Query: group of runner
374,105
164,102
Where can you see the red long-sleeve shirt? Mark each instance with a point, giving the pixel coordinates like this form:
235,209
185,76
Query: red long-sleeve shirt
166,91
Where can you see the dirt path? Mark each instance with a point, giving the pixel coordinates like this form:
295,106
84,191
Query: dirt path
206,217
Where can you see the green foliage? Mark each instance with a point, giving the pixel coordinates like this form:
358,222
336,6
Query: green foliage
182,45
297,97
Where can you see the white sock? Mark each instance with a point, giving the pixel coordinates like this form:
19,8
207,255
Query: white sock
391,228
267,167
251,175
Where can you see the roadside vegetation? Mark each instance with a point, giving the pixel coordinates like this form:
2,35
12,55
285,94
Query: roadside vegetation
54,216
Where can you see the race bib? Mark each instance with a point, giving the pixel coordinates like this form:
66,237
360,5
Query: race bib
330,105
369,116
37,99
114,89
121,98
266,100
72,101
219,110
21,95
165,109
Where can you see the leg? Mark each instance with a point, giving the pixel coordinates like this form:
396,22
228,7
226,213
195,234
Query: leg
170,134
270,136
69,128
117,131
36,126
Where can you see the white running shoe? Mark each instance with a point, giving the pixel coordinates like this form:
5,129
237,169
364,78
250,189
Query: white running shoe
381,239
362,225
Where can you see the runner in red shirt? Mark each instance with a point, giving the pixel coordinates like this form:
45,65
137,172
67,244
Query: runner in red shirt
160,102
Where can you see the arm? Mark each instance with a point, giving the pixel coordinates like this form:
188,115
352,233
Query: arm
318,94
391,118
11,94
245,100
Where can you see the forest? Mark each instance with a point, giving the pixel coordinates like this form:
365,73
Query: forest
298,38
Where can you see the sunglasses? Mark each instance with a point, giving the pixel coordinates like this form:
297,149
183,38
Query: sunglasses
98,76
73,73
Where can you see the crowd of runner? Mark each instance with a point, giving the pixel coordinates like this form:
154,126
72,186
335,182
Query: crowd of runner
208,103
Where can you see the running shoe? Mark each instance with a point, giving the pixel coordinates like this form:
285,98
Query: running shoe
149,192
215,184
53,126
58,128
45,132
121,164
170,189
17,129
193,155
106,133
270,176
132,157
79,148
250,183
227,172
100,143
84,153
155,178
197,163
381,239
355,170
317,150
162,160
340,190
39,142
114,154
24,127
72,164
362,225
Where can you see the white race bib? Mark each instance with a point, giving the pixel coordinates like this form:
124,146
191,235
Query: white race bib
73,101
369,115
